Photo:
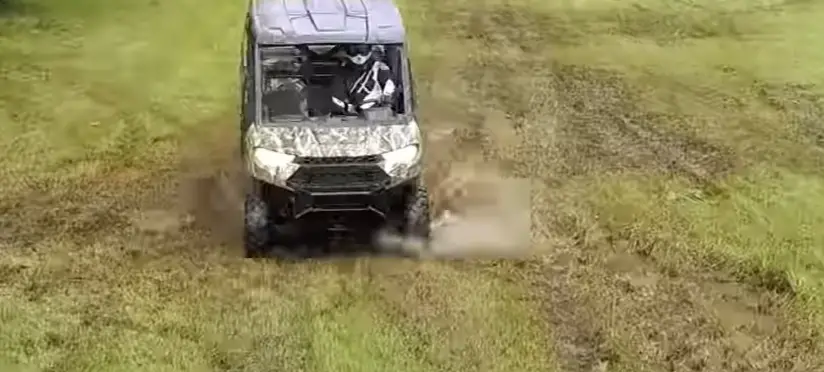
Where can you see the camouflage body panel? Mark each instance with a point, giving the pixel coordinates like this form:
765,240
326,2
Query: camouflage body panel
338,141
333,141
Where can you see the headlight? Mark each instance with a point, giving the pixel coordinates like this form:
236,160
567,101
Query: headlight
272,166
406,156
271,159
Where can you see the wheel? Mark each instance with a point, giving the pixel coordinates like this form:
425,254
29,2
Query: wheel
407,230
257,234
417,219
264,238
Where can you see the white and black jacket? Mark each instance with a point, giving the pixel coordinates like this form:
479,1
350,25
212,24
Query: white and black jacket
362,87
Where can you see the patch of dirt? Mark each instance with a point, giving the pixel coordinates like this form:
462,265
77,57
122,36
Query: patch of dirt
77,210
213,203
599,126
581,339
211,187
533,30
802,108
609,307
158,221
478,214
153,202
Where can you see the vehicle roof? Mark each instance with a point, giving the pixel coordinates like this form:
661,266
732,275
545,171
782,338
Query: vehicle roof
292,22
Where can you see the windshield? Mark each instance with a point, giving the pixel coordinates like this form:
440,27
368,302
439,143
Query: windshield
316,81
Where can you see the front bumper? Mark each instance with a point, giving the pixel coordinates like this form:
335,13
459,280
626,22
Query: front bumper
336,185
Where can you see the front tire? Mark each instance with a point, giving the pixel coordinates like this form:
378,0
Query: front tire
262,237
257,233
417,219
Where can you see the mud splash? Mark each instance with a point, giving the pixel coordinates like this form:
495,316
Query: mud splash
478,214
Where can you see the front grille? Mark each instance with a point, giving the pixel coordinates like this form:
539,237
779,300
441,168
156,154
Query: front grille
341,201
332,178
367,159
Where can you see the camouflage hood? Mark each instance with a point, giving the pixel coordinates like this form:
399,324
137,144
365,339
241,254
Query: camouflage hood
335,140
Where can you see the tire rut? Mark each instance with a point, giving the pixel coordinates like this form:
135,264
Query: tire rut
618,310
609,306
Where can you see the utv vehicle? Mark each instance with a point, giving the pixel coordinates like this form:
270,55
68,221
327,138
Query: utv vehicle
315,172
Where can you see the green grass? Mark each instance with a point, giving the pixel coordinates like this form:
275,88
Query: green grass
686,134
231,315
760,219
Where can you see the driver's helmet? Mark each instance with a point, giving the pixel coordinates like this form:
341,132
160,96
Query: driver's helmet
359,54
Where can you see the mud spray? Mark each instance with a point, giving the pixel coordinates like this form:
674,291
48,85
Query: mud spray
477,212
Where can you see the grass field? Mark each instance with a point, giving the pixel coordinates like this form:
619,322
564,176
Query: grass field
675,149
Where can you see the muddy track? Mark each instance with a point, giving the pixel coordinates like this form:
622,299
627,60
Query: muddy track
610,304
611,307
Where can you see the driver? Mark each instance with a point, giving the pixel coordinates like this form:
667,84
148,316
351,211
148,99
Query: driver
365,82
